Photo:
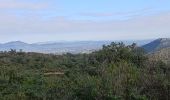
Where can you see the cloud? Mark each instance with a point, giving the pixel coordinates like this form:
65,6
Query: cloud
111,14
61,28
97,14
18,4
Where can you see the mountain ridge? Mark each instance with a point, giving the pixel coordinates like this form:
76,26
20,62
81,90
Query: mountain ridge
157,45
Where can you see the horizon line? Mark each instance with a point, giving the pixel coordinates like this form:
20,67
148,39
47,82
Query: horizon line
62,41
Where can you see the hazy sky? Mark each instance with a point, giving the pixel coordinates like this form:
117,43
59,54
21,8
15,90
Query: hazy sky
55,20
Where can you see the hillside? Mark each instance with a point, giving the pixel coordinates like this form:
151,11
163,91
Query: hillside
157,45
163,55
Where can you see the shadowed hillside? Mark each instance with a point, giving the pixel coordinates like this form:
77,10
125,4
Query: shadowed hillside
157,45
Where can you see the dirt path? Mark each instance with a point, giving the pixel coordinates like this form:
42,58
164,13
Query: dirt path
53,73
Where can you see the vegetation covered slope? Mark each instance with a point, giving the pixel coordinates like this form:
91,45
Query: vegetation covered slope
163,55
117,72
157,45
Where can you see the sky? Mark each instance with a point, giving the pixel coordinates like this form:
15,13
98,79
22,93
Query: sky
81,20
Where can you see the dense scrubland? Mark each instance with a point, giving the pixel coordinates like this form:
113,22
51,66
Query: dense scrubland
116,72
163,54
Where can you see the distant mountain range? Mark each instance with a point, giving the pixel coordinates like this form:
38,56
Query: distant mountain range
62,46
55,47
157,45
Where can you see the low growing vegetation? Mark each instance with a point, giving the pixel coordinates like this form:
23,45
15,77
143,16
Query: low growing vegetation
116,72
